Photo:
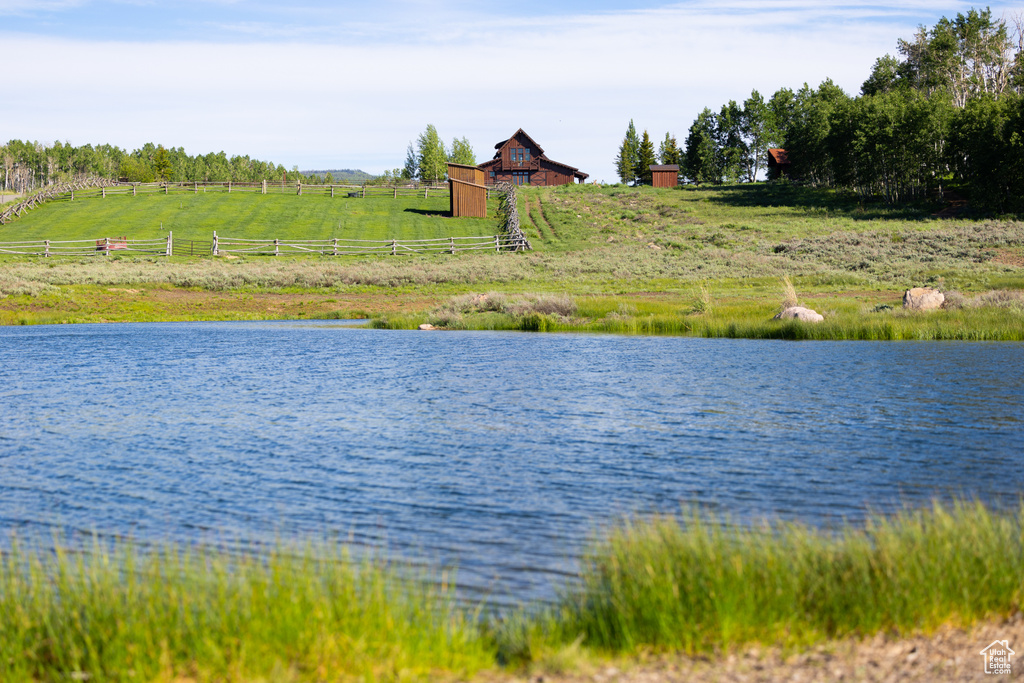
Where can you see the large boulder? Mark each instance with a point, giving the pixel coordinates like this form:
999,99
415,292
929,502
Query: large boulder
800,313
923,299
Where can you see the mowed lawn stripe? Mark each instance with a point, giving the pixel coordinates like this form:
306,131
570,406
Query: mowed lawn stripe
247,215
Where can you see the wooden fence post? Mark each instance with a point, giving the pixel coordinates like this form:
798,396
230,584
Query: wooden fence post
453,244
170,247
394,247
46,251
364,190
277,243
215,250
396,191
299,185
195,187
106,246
103,191
72,195
166,188
133,189
229,187
332,191
264,186
335,247
497,244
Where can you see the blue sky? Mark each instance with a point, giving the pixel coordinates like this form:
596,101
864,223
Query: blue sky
347,85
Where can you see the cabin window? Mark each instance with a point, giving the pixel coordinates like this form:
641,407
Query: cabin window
521,177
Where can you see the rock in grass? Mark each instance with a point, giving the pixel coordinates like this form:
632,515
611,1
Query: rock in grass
427,326
807,315
923,299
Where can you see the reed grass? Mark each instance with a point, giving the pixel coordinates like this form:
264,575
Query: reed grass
692,583
123,613
698,583
993,317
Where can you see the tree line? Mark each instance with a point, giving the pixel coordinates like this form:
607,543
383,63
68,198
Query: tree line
30,165
946,113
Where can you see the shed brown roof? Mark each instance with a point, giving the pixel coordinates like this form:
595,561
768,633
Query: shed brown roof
779,156
665,167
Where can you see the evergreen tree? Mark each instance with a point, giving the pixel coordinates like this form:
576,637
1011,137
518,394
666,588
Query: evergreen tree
627,161
668,151
162,163
411,169
645,159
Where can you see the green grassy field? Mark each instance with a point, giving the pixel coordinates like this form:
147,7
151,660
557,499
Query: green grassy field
693,583
707,261
244,215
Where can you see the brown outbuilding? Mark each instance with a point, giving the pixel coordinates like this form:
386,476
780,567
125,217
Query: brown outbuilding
666,175
467,189
778,164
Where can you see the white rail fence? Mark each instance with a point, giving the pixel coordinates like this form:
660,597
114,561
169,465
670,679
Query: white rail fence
420,190
49,193
101,247
349,247
223,246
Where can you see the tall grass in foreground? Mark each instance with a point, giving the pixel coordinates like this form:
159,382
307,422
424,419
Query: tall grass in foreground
129,614
694,583
698,583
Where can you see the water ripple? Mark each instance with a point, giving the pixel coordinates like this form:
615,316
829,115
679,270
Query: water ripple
500,452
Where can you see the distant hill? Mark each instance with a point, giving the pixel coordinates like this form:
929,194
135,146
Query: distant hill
342,174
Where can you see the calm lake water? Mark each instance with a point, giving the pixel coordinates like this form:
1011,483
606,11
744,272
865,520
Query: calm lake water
500,452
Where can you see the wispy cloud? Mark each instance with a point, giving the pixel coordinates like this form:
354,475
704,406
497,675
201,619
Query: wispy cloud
319,88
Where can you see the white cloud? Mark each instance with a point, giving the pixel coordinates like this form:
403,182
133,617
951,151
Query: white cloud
573,84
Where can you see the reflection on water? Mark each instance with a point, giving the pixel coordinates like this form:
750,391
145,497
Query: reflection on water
499,451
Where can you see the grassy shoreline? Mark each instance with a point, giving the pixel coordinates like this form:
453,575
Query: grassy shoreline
733,310
691,584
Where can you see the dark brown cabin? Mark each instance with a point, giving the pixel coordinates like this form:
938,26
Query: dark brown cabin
467,189
521,161
778,164
666,175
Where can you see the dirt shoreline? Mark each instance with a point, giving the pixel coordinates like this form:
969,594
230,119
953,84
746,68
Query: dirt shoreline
947,656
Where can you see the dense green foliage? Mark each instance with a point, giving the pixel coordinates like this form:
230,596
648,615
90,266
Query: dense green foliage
28,165
948,114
